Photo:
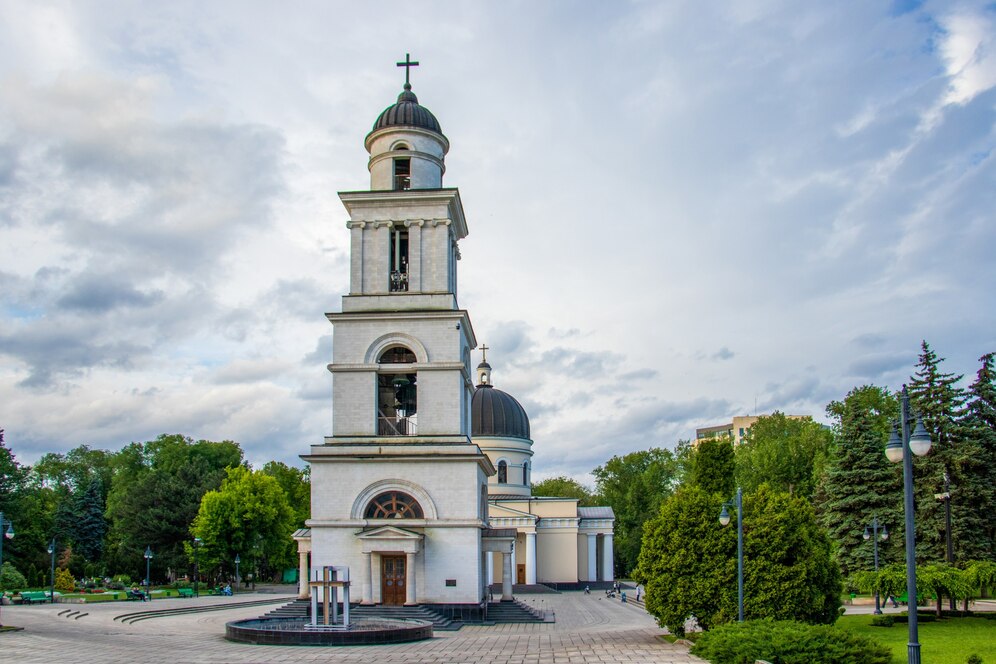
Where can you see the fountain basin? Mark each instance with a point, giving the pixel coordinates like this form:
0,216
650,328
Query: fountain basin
297,632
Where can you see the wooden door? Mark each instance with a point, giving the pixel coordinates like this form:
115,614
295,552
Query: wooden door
520,574
392,580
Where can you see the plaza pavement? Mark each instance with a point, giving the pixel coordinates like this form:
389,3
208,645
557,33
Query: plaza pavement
589,629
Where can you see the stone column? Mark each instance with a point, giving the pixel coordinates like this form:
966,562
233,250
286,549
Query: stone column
491,567
414,255
592,559
506,576
607,566
366,581
410,579
303,590
531,558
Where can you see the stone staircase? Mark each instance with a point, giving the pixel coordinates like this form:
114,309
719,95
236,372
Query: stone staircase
514,611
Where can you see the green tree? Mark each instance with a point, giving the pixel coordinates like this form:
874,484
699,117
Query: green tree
10,578
155,495
785,452
688,561
248,514
564,487
713,466
92,526
12,477
860,483
634,485
978,494
938,399
296,483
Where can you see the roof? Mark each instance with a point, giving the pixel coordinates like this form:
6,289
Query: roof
497,413
596,513
407,112
499,532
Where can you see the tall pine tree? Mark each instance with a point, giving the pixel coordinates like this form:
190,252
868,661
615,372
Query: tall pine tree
92,526
936,397
860,484
979,425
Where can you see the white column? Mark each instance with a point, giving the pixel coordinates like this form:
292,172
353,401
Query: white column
491,567
410,579
531,558
366,581
592,560
607,566
506,576
303,589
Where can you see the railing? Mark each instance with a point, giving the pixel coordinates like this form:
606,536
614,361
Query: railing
399,281
396,426
402,182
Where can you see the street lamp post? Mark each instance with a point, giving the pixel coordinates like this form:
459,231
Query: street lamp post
148,558
874,536
902,449
724,519
237,561
51,551
7,534
197,569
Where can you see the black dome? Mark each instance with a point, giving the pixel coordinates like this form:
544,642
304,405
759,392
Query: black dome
407,113
496,413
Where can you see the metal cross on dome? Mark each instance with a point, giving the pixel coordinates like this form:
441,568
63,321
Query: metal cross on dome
484,350
408,64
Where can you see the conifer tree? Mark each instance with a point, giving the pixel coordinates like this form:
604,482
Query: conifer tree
979,495
860,483
92,526
936,397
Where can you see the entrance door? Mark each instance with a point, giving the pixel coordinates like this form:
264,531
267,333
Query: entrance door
392,580
520,574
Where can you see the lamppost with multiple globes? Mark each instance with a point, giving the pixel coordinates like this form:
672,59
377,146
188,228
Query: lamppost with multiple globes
724,520
148,558
901,447
237,561
7,534
875,536
51,552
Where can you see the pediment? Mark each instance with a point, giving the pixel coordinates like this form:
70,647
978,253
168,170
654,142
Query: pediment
389,533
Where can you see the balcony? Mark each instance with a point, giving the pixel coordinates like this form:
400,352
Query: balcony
397,426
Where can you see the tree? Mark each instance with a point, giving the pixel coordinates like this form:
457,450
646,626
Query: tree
634,485
12,477
91,526
860,483
248,514
787,453
979,464
713,467
155,495
564,487
936,397
10,578
296,483
688,561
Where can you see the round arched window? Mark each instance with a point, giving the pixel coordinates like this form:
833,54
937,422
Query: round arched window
393,505
397,355
502,472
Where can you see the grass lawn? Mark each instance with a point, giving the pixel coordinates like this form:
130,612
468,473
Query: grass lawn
948,641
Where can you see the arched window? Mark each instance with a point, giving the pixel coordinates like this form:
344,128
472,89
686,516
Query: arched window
525,473
397,355
502,472
393,505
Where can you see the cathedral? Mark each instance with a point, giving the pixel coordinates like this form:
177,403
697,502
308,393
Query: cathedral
423,488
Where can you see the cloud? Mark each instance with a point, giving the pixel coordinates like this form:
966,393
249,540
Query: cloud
723,353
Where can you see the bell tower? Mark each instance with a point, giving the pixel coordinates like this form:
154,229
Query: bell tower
402,380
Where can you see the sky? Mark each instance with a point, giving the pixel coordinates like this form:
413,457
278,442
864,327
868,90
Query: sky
679,211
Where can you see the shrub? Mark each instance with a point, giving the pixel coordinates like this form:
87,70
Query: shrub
10,578
974,659
64,581
123,579
788,642
883,621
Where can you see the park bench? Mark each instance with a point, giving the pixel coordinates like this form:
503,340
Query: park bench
33,597
136,595
185,592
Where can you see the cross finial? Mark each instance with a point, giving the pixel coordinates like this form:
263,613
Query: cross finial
484,350
408,64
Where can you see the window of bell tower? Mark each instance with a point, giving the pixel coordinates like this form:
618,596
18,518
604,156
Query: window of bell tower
402,174
399,260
